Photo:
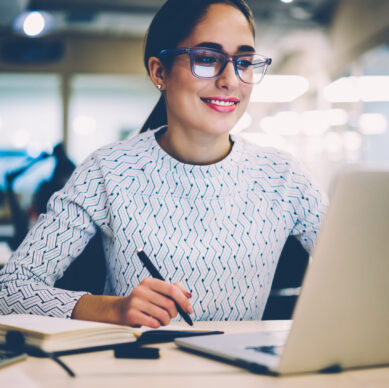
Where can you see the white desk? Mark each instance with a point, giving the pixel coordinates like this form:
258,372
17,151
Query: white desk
175,368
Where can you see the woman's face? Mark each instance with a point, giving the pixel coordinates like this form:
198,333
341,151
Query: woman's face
188,98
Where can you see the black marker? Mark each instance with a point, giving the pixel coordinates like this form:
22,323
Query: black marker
155,274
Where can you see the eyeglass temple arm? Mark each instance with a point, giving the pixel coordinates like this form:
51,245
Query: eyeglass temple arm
174,51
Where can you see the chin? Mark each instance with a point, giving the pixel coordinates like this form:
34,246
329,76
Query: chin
220,125
219,130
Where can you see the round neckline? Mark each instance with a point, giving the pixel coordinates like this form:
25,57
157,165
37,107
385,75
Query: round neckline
174,165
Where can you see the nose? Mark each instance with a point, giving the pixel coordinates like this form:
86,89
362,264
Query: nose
228,79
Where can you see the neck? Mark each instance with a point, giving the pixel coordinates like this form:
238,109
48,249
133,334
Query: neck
193,148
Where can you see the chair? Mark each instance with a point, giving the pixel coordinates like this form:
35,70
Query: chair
287,281
88,271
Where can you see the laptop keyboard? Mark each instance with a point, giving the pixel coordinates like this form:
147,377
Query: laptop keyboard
273,350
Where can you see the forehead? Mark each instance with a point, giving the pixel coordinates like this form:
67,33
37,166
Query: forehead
222,24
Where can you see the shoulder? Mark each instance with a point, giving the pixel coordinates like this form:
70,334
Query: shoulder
255,157
112,159
276,167
135,146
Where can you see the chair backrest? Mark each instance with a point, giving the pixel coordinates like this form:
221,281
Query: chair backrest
289,275
88,271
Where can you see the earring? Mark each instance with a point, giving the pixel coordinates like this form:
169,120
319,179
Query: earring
159,86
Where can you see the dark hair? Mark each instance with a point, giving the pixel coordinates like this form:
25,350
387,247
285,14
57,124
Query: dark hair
172,24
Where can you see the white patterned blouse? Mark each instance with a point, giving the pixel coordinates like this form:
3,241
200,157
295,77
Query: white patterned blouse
219,229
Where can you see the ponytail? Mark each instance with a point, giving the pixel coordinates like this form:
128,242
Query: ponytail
158,116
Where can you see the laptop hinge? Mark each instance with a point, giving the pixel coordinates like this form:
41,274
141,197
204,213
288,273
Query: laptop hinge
254,367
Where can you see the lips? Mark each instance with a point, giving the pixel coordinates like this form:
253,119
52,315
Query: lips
221,104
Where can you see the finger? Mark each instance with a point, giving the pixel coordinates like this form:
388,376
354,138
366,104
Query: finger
142,304
183,289
143,295
173,292
157,313
137,318
164,302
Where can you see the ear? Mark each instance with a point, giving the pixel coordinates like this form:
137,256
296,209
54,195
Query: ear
157,72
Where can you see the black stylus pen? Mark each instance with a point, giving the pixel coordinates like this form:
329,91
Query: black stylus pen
155,274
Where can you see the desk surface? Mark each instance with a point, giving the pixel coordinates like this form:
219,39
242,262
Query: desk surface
175,369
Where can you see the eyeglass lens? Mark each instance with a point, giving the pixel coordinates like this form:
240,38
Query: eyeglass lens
208,64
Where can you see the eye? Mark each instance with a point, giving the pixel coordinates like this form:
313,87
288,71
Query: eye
205,58
250,62
244,64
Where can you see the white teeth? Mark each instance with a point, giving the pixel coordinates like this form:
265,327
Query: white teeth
222,103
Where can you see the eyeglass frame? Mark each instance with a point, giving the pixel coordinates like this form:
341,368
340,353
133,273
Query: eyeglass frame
227,58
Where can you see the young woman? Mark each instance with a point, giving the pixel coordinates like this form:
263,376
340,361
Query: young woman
211,210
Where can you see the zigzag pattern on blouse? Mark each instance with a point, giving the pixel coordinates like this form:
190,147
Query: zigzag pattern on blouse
218,229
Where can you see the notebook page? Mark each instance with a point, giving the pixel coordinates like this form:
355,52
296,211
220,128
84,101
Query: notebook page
47,325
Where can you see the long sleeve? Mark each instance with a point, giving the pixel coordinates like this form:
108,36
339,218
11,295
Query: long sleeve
219,229
59,236
308,203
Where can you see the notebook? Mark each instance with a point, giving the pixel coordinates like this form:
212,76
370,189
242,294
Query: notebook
65,336
341,319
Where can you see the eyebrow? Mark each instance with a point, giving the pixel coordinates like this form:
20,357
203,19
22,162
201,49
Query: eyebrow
216,46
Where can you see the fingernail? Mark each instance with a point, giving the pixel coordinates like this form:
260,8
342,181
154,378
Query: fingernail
189,309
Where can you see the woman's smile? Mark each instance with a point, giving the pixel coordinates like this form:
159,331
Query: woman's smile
225,96
221,104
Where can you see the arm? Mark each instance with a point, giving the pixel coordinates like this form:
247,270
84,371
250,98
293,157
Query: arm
149,304
26,284
25,290
59,236
309,203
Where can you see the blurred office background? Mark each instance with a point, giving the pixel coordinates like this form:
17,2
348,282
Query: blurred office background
71,72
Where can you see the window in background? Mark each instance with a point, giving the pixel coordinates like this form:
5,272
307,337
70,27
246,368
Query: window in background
336,123
374,121
106,108
30,123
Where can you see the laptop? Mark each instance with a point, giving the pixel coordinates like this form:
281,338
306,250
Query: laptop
341,319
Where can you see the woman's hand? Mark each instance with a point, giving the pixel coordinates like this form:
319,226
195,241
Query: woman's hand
151,303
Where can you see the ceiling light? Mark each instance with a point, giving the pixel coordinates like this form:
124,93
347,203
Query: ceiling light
373,88
287,1
352,141
314,122
283,123
354,89
333,142
317,122
337,117
309,123
33,23
342,90
372,124
279,88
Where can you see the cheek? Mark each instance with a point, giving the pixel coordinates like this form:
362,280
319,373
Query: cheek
247,89
180,78
183,88
246,93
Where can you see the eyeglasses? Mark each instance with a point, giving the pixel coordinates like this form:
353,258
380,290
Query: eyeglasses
210,63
